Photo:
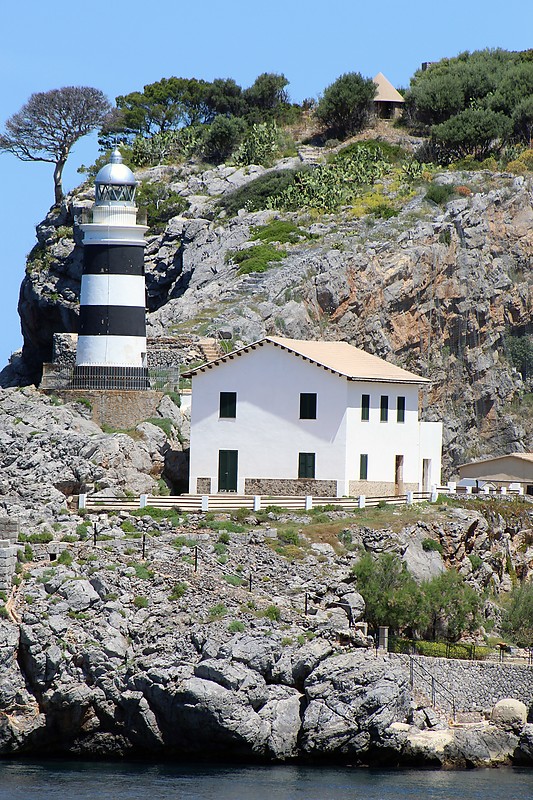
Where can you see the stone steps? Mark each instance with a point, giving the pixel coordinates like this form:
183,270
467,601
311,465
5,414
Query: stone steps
311,155
210,349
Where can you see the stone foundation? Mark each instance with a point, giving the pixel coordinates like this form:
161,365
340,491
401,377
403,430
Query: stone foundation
121,410
378,488
203,485
300,486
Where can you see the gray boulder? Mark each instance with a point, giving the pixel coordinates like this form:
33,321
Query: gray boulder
79,595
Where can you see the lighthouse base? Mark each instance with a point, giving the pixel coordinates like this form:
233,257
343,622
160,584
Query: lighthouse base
110,377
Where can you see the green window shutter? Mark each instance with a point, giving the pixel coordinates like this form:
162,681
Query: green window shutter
228,405
363,467
384,408
306,465
400,409
365,407
307,405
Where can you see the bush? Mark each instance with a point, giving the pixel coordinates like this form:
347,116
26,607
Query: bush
164,423
40,538
255,259
254,195
440,193
476,561
289,536
65,558
178,590
141,571
160,203
273,613
431,545
280,231
236,626
222,137
224,537
233,580
218,611
128,527
183,541
345,105
518,616
474,131
139,601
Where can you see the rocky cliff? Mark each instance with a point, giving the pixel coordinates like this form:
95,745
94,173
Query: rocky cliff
259,653
436,289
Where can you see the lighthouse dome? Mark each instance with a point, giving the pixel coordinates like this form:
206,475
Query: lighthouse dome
115,182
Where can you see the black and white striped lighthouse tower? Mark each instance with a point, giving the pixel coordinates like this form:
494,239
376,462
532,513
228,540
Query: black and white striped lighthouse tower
111,351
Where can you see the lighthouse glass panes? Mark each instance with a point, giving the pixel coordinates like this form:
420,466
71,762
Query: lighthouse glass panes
106,193
111,351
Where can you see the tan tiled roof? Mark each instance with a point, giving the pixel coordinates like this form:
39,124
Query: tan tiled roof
521,456
386,92
338,357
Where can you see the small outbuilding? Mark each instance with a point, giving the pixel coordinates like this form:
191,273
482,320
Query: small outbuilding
388,102
293,417
510,471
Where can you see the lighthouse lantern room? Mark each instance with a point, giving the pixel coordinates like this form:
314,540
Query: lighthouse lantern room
111,350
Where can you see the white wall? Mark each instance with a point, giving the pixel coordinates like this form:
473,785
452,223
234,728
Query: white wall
267,431
383,441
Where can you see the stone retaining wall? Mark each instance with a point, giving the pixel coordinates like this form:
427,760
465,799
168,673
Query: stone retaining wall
378,488
121,410
298,487
475,685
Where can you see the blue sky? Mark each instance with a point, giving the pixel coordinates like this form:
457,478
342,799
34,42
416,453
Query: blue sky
120,46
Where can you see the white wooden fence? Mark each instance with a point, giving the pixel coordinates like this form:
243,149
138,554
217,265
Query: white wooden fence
231,502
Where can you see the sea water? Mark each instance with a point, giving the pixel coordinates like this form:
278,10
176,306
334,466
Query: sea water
59,780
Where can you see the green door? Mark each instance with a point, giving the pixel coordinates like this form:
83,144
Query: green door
227,470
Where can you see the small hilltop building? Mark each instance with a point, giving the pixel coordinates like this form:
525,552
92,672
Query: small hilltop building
388,102
292,417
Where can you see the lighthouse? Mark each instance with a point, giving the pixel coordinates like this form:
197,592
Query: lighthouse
111,350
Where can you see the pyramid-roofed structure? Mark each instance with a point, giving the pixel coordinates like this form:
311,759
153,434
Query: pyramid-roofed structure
386,92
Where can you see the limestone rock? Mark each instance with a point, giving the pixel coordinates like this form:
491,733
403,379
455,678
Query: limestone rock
509,714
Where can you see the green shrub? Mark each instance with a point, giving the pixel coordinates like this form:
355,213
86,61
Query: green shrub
255,259
224,538
141,571
280,231
345,104
254,196
218,611
3,613
128,527
69,537
160,203
178,590
183,541
226,526
431,544
289,536
475,560
440,193
40,538
233,580
273,613
139,601
65,558
82,530
236,626
222,137
220,548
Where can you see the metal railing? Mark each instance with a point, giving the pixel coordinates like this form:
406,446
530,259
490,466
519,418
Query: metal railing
158,379
437,688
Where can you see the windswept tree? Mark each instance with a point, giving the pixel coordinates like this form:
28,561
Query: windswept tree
50,123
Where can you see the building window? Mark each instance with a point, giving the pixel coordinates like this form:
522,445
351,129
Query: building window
306,465
400,409
228,405
365,407
363,466
307,405
384,408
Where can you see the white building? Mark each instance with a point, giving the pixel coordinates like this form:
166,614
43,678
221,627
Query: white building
287,416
